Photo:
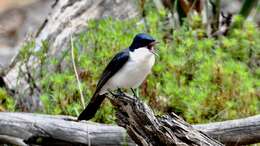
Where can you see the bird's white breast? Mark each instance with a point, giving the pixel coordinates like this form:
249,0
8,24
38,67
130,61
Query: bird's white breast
133,73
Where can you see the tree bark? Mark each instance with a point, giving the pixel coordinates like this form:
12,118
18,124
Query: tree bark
28,129
146,129
19,128
69,17
234,132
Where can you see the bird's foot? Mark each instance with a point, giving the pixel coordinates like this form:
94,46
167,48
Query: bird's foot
120,92
112,93
133,92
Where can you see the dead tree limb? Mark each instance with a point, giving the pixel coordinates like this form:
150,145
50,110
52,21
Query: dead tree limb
22,128
146,129
234,132
35,129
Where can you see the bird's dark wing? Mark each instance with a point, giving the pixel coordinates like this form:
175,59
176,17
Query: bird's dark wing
113,67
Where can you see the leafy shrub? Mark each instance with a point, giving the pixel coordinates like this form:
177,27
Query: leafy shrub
6,102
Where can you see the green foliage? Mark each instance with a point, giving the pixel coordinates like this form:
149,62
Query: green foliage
202,79
6,102
209,79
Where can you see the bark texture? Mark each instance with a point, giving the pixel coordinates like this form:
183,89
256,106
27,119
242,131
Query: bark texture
146,129
69,17
30,129
234,132
24,128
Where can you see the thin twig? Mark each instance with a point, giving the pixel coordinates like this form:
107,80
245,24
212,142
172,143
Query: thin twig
76,73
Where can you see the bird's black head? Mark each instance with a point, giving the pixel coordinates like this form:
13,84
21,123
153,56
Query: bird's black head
141,40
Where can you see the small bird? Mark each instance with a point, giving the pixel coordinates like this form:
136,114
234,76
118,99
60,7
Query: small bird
127,69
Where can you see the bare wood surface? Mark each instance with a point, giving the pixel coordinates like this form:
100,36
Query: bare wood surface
19,127
69,17
29,129
234,132
146,129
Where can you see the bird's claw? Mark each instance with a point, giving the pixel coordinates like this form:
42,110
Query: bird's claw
133,92
112,93
119,93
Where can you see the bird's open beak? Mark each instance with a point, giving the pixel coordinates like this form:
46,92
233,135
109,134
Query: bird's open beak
153,50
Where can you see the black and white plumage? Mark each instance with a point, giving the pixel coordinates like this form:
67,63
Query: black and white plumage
127,69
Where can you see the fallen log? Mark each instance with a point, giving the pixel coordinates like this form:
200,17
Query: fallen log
234,132
30,129
19,128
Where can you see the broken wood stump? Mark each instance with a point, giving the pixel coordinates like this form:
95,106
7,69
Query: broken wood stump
146,129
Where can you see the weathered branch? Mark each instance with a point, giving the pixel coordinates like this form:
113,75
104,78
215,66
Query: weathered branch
18,128
234,132
28,129
146,129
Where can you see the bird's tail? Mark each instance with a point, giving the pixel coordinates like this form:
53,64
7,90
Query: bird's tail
91,109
